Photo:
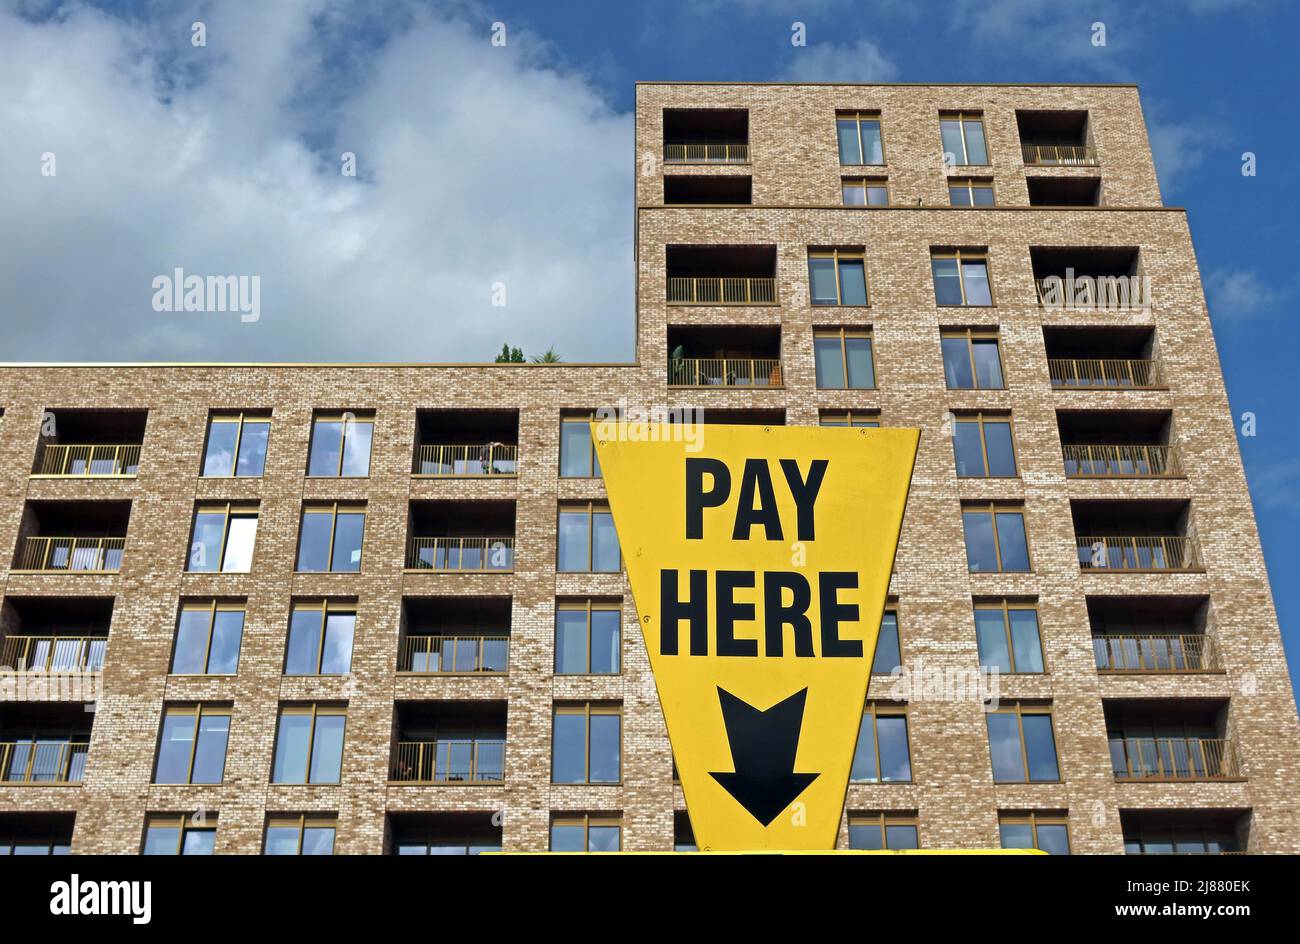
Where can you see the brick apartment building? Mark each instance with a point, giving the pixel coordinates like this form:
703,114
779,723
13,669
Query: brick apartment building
379,608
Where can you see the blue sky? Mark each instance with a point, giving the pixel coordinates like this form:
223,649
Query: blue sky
171,154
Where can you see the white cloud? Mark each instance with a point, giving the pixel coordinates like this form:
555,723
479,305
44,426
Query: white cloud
832,62
1179,148
477,165
1239,293
1276,487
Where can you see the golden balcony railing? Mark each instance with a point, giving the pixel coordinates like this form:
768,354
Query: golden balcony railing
1077,154
454,459
706,152
1173,758
495,554
1120,461
88,461
724,372
1154,653
88,555
478,760
721,290
1088,292
454,655
53,653
1142,552
42,761
1101,373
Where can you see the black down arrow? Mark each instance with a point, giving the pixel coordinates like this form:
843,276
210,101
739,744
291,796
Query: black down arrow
763,748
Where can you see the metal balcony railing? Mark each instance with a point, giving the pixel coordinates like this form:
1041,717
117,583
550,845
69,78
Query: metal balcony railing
480,760
42,761
1144,552
1120,461
91,555
724,372
461,554
1154,653
466,460
1076,154
1173,758
454,655
721,290
87,461
1102,373
53,653
706,152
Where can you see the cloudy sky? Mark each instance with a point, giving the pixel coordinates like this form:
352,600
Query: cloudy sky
482,167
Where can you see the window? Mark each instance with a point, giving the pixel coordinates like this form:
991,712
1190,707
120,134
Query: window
843,359
1177,840
970,191
858,133
192,748
837,277
888,650
586,744
1008,638
963,138
587,542
207,638
855,418
446,841
961,278
587,638
584,833
330,540
882,755
578,458
223,539
1022,746
34,841
971,360
1035,831
179,835
883,831
982,446
299,835
865,191
309,744
340,446
995,538
236,446
320,638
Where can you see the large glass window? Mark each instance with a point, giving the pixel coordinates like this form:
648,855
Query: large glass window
340,445
299,835
983,447
179,835
963,139
320,638
971,360
852,418
843,359
581,833
587,542
577,450
309,744
236,445
223,539
864,191
970,191
331,537
1035,831
192,747
858,133
1022,745
995,539
837,277
446,841
961,278
888,650
207,638
586,744
587,638
1008,637
882,754
883,831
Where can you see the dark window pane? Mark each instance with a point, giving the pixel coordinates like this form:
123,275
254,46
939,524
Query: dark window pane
872,150
1041,747
326,446
318,840
991,638
573,537
175,748
565,838
954,150
570,642
895,759
1054,838
568,748
1017,835
888,653
947,288
877,195
1002,455
975,275
829,361
846,132
988,366
227,631
281,840
314,544
854,195
900,837
1004,748
200,842
303,649
605,637
981,552
864,755
866,836
602,838
220,456
857,353
575,450
983,196
821,280
959,196
347,542
339,631
976,153
853,282
604,543
605,748
205,550
162,840
291,749
967,449
210,758
327,749
191,643
252,449
1025,641
1011,538
956,364
356,448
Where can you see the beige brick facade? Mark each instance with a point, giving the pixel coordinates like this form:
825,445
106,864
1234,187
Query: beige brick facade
796,204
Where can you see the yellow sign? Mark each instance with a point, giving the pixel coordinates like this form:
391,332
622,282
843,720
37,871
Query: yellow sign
759,558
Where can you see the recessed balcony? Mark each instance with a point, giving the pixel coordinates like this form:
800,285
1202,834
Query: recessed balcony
1151,635
1185,831
443,833
1057,138
1117,444
466,443
724,357
54,634
1090,278
1102,358
43,744
90,444
721,275
706,136
454,636
1170,740
72,536
461,536
1135,536
449,743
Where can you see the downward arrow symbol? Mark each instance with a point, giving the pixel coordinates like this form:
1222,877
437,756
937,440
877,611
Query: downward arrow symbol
763,749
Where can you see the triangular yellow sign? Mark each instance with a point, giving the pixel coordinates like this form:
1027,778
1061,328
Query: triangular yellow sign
759,558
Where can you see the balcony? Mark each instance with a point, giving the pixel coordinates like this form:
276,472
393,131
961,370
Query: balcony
1082,155
724,357
721,275
466,443
461,537
1102,359
43,744
54,634
1170,740
454,636
706,136
1055,138
91,444
1185,832
1064,191
1135,536
1117,444
72,536
443,833
28,834
1090,279
1152,635
449,743
707,190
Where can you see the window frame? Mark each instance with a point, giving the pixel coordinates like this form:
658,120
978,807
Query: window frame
884,820
875,710
851,418
993,508
1005,606
347,418
593,463
857,116
983,417
970,185
586,821
182,823
961,257
590,508
313,710
241,417
961,117
836,254
326,606
199,711
1033,819
302,822
588,606
970,336
214,606
843,334
587,710
866,184
891,608
1019,709
229,510
333,509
